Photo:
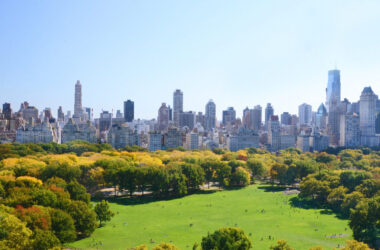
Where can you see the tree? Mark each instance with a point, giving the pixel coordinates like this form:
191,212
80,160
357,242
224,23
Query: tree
195,175
350,201
62,225
257,167
365,220
44,240
103,212
241,177
355,245
13,233
78,192
84,217
128,179
225,239
281,245
336,197
165,246
223,172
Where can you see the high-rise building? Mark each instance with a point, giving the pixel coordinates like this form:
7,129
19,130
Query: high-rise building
210,115
120,136
105,121
30,114
200,118
255,115
246,118
269,111
78,110
274,133
336,109
129,111
333,87
173,138
89,113
7,111
83,131
368,117
187,119
229,116
304,114
163,117
60,114
286,118
170,113
321,117
177,106
349,130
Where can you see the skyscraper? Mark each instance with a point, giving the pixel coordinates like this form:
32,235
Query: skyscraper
368,117
305,114
187,119
78,110
60,115
229,116
210,115
286,118
177,106
333,87
255,116
269,111
274,136
7,111
163,117
321,117
129,111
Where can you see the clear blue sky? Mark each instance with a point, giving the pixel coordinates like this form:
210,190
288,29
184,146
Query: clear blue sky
239,53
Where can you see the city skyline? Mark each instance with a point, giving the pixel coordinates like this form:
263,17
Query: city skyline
148,51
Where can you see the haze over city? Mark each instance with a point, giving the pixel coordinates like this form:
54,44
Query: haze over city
238,54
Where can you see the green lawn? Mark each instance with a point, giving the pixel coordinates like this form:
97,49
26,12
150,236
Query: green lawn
183,221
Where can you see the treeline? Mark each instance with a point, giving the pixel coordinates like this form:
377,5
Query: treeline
173,179
12,150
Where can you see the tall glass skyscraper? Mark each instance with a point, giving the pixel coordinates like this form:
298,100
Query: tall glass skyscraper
333,87
129,111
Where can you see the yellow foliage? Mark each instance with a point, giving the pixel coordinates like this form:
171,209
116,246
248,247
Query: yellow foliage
28,181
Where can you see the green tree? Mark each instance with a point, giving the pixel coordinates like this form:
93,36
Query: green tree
13,233
103,212
84,218
44,240
336,197
365,221
62,225
78,192
257,167
241,177
195,175
225,239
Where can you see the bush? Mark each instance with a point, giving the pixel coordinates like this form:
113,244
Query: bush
225,239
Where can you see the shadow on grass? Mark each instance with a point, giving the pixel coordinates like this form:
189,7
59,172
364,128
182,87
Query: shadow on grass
310,204
148,198
270,188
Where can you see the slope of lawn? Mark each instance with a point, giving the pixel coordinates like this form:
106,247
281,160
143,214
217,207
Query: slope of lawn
259,212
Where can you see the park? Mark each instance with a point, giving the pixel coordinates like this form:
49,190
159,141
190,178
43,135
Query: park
265,213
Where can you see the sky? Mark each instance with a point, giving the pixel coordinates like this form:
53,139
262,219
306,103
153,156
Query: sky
238,53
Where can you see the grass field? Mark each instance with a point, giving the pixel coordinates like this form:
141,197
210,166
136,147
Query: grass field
259,212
